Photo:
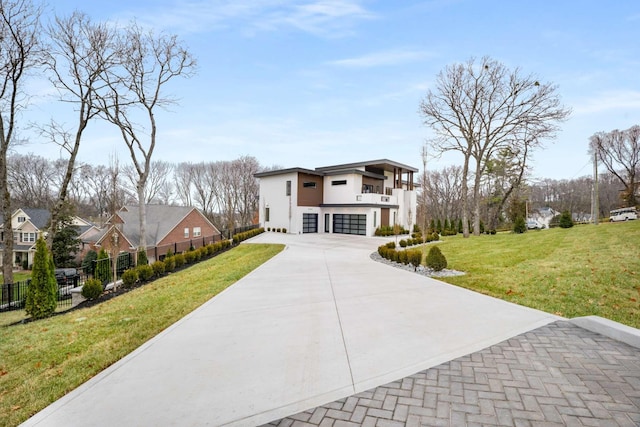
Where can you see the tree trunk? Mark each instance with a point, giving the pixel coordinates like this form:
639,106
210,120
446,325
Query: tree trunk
7,253
476,199
465,198
142,215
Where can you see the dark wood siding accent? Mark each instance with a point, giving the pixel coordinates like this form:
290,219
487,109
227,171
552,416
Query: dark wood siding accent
310,196
376,184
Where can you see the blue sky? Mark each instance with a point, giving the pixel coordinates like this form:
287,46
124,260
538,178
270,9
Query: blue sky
319,82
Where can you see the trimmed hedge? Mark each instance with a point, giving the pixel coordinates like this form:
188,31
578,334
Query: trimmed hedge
129,277
239,237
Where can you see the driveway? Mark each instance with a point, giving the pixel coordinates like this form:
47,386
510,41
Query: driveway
319,322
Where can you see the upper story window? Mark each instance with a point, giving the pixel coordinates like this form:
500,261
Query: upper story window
186,232
22,219
339,182
288,188
197,232
309,184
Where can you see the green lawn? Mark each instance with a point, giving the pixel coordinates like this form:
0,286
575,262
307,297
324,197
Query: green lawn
41,361
580,271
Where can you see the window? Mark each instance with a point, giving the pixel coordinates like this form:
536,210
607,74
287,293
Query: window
186,232
375,219
339,182
309,184
21,219
197,232
266,214
366,188
288,188
29,237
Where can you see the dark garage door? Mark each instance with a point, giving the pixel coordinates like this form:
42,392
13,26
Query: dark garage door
309,223
350,224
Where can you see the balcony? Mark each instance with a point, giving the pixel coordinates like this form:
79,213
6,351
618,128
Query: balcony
373,198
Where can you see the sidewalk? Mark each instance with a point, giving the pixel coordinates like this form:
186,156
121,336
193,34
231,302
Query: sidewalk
319,322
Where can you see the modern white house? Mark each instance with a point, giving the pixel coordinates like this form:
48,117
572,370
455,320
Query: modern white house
354,198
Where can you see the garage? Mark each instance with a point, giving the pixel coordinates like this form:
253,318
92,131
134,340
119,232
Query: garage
350,224
309,223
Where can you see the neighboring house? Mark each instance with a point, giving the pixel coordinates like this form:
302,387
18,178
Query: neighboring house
28,225
353,198
175,228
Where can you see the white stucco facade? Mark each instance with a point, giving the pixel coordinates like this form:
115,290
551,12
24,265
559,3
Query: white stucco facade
355,198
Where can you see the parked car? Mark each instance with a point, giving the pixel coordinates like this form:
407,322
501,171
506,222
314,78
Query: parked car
532,224
67,277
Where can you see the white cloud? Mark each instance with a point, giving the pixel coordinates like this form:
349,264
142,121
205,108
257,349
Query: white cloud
327,18
607,101
386,58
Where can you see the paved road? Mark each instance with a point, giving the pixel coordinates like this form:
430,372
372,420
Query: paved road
556,375
319,322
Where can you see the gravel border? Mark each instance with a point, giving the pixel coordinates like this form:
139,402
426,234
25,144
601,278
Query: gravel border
420,270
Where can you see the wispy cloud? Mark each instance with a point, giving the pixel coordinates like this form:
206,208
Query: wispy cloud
611,100
325,18
385,58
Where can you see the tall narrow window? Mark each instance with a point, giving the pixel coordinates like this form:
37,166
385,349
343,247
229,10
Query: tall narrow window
266,214
288,188
375,219
186,232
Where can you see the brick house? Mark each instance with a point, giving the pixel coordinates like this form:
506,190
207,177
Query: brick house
175,228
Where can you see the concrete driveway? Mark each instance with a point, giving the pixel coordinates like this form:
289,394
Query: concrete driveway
319,322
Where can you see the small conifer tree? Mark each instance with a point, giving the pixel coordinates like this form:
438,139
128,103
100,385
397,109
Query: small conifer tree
565,220
142,257
435,259
42,293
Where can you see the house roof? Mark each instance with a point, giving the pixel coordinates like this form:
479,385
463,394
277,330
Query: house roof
384,164
287,171
348,168
38,217
161,219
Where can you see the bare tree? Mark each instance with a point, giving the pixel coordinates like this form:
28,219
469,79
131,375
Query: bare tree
158,181
20,52
29,179
183,183
442,193
619,151
147,63
478,109
79,54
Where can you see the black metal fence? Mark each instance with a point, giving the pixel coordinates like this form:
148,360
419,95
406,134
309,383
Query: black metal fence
124,261
14,296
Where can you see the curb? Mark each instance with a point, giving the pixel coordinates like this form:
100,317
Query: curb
610,329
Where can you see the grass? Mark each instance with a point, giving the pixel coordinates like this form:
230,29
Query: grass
580,271
17,277
41,361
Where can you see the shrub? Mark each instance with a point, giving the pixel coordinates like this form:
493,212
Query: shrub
189,257
103,267
278,230
92,289
403,243
416,228
129,277
519,225
268,228
158,268
142,257
403,257
145,272
211,249
284,230
169,264
391,245
169,253
88,263
415,258
178,260
435,259
42,292
565,220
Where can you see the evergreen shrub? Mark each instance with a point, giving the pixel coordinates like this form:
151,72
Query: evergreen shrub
435,259
129,277
92,289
